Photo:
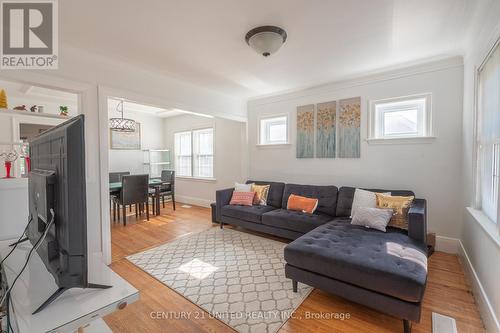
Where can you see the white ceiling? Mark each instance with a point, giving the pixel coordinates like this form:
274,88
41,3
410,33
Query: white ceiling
203,41
129,106
37,93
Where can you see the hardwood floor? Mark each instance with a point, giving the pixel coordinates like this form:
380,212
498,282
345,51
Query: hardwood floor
447,290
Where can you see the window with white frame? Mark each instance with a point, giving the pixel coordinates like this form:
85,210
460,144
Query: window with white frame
402,117
203,153
274,130
488,134
194,153
183,155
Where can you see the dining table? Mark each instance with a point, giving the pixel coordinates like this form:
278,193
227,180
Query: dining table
155,183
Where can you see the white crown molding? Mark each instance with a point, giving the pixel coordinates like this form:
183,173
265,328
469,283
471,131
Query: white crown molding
379,76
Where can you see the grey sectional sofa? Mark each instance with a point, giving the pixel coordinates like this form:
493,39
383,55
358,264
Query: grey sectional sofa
385,271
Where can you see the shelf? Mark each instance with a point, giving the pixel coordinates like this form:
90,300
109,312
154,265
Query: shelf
155,161
11,112
13,143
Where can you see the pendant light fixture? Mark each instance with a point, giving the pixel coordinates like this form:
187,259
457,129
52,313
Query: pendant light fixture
266,40
121,124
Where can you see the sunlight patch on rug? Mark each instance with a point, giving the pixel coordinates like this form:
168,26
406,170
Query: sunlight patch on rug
237,277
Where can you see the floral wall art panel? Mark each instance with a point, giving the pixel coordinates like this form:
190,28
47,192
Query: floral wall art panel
349,124
326,114
305,131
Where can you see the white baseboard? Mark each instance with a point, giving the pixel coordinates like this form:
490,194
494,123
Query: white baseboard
488,316
455,246
447,244
193,200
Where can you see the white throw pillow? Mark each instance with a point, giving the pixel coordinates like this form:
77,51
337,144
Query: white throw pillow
242,187
363,198
375,218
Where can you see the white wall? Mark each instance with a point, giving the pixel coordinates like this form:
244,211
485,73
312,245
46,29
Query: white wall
9,132
169,92
14,98
431,170
152,137
482,248
85,72
13,193
229,160
50,106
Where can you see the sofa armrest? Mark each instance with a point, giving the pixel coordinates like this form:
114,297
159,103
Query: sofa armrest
222,198
417,220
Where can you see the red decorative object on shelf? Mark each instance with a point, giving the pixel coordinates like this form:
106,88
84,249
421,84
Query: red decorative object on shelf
8,166
28,163
8,158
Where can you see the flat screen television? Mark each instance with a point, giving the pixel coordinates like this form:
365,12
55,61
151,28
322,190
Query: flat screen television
57,183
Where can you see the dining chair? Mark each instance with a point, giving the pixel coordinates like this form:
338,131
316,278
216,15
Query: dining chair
135,191
168,190
116,177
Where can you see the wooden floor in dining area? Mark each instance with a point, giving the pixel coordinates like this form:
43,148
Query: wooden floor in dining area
447,291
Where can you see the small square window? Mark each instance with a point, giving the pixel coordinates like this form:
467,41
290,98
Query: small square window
274,130
404,117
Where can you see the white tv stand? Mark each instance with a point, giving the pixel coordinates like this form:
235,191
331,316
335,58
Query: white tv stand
72,311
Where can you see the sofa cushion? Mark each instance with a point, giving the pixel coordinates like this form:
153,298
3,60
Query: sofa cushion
346,196
301,204
247,213
242,198
326,195
389,263
400,207
275,195
294,220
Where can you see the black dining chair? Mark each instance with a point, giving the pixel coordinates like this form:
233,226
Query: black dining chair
116,177
135,191
168,190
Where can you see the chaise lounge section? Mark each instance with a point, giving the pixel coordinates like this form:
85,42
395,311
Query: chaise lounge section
385,271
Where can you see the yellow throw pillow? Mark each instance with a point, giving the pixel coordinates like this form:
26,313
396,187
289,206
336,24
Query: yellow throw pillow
261,193
400,206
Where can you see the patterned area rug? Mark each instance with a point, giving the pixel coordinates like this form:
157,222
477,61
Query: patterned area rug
236,277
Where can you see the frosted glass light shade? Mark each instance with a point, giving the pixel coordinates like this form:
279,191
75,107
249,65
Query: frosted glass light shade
266,40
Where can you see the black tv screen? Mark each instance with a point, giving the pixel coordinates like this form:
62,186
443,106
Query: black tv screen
57,181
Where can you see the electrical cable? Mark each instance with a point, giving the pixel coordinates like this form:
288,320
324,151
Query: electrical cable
9,326
35,247
17,242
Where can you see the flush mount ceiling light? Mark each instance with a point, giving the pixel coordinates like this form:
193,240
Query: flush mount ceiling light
266,40
121,124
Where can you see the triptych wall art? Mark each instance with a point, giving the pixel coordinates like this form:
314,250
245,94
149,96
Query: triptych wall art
334,127
305,131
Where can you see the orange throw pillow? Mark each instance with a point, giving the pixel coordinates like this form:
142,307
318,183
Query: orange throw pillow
302,204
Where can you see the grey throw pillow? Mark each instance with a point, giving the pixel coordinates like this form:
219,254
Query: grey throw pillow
242,187
364,198
375,218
